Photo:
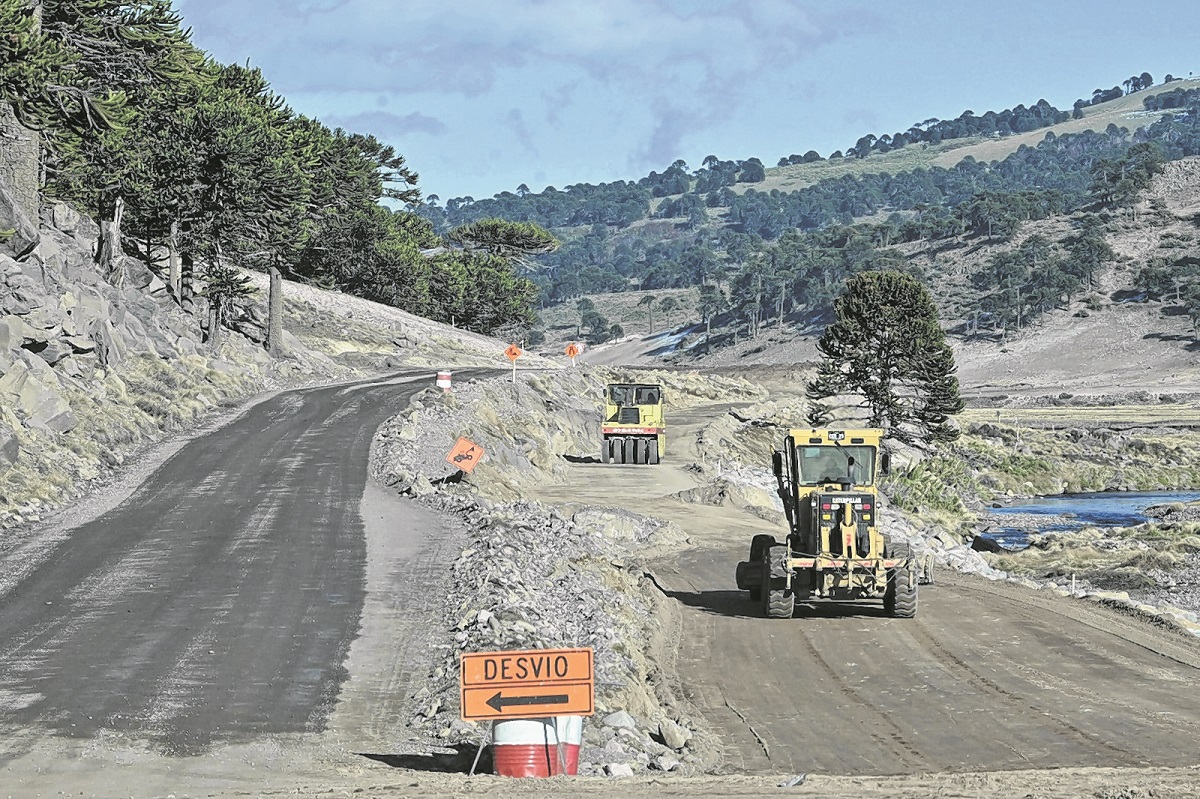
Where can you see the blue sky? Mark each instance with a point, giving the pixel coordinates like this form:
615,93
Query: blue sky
481,96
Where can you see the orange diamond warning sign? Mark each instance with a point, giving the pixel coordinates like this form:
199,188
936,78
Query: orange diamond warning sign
465,454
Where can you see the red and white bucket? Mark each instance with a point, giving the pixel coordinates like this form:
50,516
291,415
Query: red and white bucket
531,747
443,381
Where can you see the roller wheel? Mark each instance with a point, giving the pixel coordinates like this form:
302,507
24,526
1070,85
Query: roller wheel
654,451
639,450
621,446
900,599
778,601
605,451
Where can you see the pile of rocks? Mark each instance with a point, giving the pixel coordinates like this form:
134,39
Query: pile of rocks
530,578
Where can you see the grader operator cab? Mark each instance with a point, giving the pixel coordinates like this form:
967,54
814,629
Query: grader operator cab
833,549
632,429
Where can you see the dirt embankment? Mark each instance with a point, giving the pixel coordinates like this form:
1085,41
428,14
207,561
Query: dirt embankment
533,576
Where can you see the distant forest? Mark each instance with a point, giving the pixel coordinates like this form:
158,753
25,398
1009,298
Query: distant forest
756,253
179,153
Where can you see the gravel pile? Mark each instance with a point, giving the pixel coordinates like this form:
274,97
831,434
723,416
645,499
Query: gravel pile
529,577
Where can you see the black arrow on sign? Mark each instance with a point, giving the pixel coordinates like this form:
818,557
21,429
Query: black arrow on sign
498,702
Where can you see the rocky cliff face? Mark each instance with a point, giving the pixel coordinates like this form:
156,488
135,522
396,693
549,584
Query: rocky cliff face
95,366
19,160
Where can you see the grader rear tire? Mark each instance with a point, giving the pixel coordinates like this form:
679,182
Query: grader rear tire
900,599
778,600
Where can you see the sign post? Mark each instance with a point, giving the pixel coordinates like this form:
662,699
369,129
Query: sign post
527,684
572,351
512,352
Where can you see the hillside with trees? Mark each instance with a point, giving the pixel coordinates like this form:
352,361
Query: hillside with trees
201,164
755,255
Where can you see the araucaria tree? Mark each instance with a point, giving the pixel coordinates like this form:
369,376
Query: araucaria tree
885,345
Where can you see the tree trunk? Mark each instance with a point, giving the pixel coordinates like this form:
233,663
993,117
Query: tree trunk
187,288
173,261
214,323
275,315
109,252
187,275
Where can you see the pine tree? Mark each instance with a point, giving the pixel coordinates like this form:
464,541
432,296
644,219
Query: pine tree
886,346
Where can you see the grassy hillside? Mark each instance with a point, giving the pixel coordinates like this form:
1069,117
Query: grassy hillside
1110,339
1124,112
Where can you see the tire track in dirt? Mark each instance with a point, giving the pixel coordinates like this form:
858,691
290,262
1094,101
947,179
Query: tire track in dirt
895,739
953,663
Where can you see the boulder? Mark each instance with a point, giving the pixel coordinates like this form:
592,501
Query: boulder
10,447
41,404
673,735
12,332
25,235
983,543
665,763
55,351
63,217
620,720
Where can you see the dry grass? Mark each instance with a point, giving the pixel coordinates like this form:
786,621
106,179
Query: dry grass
1117,556
1124,112
135,403
1187,413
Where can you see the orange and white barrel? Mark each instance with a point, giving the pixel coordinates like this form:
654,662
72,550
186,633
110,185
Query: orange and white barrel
443,381
530,747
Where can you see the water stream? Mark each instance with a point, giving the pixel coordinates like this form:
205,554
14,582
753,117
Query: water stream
1073,511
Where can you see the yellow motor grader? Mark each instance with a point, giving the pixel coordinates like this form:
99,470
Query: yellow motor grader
632,429
833,549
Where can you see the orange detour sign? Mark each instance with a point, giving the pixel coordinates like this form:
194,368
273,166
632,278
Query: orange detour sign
527,684
465,454
572,350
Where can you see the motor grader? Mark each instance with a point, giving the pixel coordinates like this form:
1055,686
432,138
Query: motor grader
632,429
833,549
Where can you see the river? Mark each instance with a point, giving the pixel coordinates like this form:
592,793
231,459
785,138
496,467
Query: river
1072,511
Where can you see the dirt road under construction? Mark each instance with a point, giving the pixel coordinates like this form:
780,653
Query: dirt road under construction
249,619
988,676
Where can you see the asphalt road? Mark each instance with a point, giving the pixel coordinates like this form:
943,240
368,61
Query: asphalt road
219,600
